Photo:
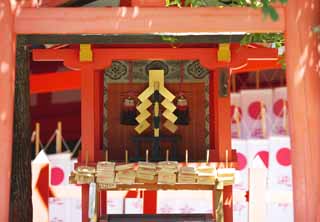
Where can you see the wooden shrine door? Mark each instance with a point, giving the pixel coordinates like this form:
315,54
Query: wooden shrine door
192,135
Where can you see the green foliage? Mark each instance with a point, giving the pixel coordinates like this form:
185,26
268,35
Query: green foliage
169,39
282,62
276,38
265,5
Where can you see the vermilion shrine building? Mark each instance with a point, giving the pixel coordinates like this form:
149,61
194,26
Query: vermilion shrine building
29,19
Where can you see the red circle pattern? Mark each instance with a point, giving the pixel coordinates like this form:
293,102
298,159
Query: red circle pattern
278,107
242,161
57,176
254,110
264,155
284,156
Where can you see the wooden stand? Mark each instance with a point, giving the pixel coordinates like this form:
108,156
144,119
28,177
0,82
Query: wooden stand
218,189
217,194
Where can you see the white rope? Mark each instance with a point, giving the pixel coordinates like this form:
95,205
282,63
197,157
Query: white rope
50,140
65,143
76,147
41,145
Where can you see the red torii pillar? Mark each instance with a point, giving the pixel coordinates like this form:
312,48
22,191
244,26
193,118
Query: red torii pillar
303,83
7,83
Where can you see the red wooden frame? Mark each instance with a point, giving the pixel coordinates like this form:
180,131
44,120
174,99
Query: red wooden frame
136,20
7,83
243,58
52,82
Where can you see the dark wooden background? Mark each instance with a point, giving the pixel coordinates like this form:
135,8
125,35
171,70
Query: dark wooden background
193,135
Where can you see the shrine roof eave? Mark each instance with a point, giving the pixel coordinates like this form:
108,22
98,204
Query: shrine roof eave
134,20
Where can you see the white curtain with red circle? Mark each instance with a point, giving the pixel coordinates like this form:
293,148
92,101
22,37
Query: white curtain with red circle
255,104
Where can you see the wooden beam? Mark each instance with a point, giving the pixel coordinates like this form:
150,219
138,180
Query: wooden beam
252,66
131,39
207,56
52,82
303,82
7,85
122,20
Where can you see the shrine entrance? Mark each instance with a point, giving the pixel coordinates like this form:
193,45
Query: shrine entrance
112,77
187,79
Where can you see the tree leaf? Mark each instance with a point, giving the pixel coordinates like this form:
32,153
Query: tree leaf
273,14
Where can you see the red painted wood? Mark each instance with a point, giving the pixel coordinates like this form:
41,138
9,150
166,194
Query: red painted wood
212,113
91,117
150,202
103,203
252,66
51,82
91,120
7,83
227,204
132,194
222,139
99,85
87,114
47,109
25,3
222,131
303,82
101,106
85,202
144,20
207,56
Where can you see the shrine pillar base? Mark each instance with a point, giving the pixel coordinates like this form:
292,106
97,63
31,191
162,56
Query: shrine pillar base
303,81
7,85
